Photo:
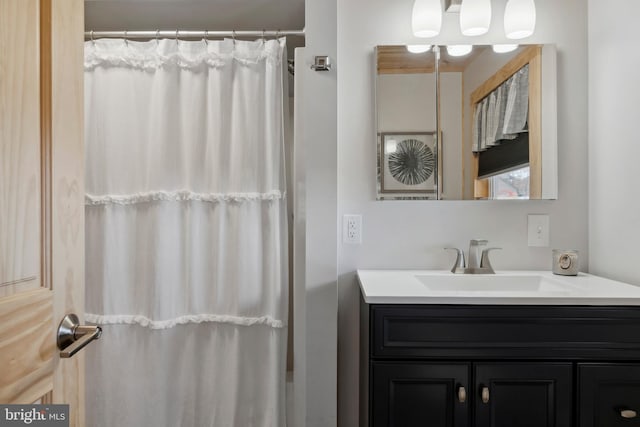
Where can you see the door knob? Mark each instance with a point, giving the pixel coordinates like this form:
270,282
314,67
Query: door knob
73,337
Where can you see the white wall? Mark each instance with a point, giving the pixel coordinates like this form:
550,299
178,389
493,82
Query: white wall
315,255
411,234
451,116
614,147
406,102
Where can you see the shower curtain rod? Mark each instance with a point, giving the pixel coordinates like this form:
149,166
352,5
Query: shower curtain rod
89,35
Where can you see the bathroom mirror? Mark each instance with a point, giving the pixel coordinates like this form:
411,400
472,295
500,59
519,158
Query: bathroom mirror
466,126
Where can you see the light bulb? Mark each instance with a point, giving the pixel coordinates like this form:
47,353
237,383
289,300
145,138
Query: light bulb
459,49
426,18
418,48
519,19
475,17
504,48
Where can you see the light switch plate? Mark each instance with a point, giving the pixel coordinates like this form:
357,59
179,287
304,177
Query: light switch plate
538,230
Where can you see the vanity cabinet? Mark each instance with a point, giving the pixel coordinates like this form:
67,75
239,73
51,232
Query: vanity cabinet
523,394
441,395
609,395
420,394
499,366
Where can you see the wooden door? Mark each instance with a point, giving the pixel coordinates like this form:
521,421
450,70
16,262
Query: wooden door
406,394
523,394
41,199
608,395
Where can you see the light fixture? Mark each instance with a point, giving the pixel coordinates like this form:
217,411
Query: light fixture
475,17
519,19
418,48
426,18
504,48
459,49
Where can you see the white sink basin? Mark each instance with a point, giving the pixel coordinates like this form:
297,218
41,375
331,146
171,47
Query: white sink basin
504,287
493,283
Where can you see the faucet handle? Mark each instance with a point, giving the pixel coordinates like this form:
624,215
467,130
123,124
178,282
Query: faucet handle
484,261
459,266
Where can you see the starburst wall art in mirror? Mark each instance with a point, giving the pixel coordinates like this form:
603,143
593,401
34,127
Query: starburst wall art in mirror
407,165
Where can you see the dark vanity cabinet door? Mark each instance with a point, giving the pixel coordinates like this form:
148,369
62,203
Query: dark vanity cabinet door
609,395
409,394
523,394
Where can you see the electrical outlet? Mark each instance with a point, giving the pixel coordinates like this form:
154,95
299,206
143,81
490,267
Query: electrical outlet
352,229
538,230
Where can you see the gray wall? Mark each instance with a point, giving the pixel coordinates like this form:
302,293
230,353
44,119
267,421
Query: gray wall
315,247
412,234
614,148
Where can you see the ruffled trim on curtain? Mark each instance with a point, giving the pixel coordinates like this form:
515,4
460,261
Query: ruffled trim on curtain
150,55
126,319
180,196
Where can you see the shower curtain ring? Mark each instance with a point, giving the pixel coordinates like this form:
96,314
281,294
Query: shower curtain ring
157,37
92,40
126,41
177,31
233,34
263,37
206,37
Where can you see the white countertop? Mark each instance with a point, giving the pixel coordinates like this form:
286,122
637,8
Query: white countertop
529,288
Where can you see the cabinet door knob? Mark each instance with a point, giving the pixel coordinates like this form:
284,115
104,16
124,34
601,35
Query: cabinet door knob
485,394
628,413
462,394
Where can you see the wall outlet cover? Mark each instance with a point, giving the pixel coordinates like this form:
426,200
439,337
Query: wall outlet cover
352,229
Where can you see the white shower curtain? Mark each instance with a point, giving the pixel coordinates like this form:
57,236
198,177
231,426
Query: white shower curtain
185,233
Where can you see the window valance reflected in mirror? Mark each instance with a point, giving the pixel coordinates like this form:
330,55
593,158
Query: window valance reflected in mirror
466,122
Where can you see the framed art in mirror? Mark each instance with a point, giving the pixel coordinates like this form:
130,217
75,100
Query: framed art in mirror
407,165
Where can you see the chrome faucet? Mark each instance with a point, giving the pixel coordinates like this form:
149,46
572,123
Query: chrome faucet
459,266
478,259
474,253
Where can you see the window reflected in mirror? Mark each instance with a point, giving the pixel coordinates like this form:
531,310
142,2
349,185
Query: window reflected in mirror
510,185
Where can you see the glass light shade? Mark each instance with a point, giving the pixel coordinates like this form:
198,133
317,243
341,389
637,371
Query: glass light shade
426,18
504,48
418,48
519,19
459,49
475,17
